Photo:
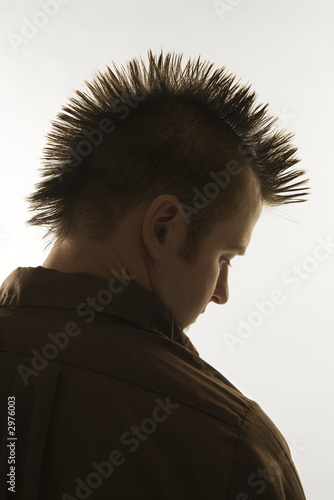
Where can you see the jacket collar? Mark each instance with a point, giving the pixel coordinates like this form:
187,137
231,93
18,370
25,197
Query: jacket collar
87,294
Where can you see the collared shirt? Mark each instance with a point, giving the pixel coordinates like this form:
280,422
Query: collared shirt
112,401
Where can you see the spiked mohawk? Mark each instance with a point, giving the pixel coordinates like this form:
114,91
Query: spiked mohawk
144,131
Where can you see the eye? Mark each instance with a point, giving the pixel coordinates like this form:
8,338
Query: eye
226,261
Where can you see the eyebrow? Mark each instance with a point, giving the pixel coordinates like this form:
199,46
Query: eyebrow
237,249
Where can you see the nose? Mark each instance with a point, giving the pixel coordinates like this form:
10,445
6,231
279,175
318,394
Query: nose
221,292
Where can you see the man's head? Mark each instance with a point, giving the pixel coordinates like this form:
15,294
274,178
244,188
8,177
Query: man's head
187,283
190,134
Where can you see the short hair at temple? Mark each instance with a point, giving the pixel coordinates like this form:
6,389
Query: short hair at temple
161,128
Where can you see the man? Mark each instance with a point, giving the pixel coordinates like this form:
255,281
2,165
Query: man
152,183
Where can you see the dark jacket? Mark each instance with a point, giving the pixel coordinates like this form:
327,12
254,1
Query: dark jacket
112,401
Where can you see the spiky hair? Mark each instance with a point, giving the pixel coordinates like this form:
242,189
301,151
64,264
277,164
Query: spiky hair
163,128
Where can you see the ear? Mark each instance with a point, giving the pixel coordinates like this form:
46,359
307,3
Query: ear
163,227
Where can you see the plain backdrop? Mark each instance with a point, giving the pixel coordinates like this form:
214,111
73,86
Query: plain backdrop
274,338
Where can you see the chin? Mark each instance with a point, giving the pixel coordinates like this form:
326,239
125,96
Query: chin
191,323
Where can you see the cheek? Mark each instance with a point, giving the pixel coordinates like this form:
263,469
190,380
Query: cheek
212,274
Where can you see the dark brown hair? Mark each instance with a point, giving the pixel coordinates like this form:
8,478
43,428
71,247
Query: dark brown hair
147,130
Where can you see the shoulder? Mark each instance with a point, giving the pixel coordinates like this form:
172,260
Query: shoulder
263,463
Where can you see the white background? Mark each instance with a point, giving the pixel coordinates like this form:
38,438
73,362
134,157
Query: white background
285,50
